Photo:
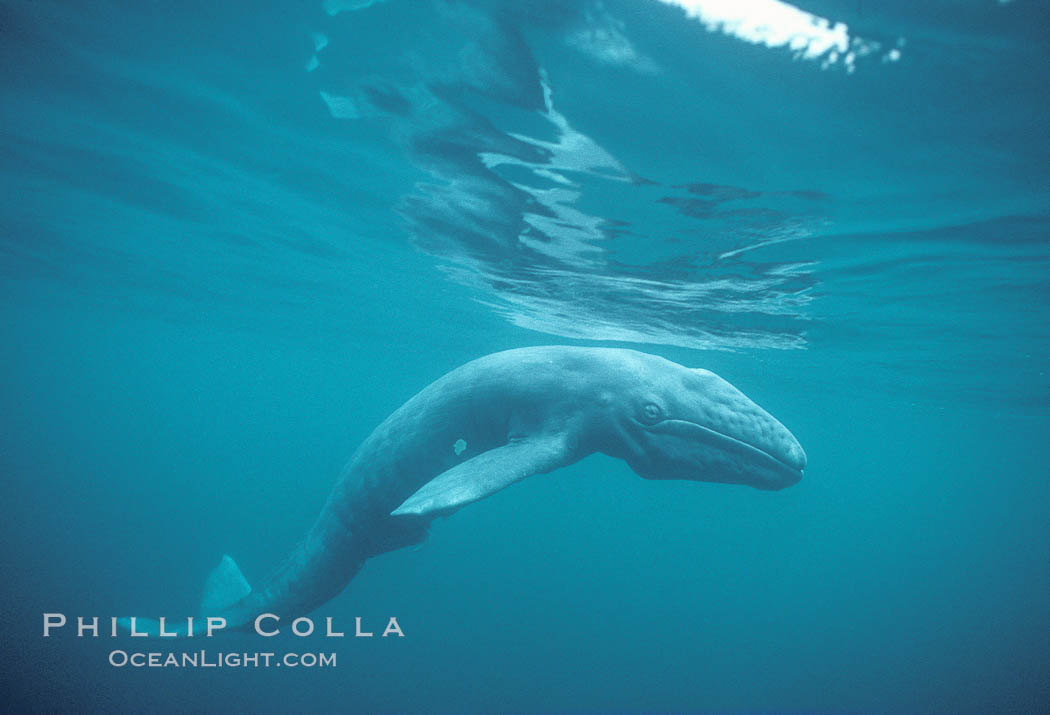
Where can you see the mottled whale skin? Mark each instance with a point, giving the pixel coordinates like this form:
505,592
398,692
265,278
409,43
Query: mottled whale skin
497,420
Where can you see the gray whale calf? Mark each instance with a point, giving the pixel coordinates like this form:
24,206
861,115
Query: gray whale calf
500,419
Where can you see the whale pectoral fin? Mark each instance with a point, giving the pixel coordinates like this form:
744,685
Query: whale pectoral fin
486,474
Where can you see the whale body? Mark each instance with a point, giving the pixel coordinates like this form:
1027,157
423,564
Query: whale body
500,419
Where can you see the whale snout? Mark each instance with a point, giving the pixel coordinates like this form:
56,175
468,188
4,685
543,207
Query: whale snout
793,458
794,455
771,458
779,463
716,433
787,450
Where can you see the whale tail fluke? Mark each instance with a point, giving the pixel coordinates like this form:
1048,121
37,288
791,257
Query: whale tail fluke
224,589
225,586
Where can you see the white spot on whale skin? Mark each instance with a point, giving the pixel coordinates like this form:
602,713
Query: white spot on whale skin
459,446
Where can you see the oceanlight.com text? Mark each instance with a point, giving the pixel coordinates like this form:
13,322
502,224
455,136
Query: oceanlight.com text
219,659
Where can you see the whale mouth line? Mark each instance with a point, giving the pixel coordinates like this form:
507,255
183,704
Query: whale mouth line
685,428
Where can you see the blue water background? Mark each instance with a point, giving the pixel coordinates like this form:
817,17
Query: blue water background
214,283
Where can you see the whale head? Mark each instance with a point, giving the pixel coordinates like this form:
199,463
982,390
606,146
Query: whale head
674,422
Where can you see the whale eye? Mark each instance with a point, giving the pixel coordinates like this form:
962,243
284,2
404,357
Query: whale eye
652,412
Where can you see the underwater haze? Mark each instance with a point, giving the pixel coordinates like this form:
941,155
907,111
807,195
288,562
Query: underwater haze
234,237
